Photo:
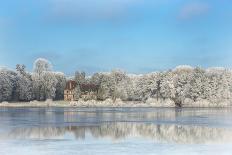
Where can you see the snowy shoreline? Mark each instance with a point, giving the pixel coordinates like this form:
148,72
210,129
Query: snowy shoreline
110,103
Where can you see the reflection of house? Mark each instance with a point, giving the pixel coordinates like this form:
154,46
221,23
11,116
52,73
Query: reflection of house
89,91
69,90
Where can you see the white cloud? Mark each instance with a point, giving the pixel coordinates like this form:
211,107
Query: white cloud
192,10
90,9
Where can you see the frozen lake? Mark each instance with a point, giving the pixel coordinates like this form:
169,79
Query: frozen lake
97,131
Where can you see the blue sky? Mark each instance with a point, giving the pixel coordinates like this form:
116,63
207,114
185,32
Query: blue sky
137,36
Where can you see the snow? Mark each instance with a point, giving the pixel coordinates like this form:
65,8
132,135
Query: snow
183,86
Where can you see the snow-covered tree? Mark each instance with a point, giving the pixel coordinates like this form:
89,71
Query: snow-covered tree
44,85
60,86
23,84
107,86
96,78
49,85
167,86
80,79
117,76
44,80
184,82
6,85
42,65
197,86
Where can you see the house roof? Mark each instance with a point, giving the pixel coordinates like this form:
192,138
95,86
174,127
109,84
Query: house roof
70,85
89,87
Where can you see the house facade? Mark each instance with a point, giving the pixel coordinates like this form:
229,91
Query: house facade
69,90
89,91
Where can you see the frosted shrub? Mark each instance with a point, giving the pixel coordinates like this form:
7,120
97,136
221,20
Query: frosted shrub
188,102
160,103
108,102
48,101
4,102
151,100
34,102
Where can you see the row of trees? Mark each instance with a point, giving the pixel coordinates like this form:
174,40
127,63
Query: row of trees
41,84
179,84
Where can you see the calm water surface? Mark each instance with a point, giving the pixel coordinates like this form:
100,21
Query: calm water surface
97,131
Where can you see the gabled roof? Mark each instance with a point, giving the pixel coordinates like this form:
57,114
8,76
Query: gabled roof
70,85
89,87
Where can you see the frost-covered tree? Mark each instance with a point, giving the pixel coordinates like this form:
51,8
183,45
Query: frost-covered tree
44,80
80,79
49,85
117,77
197,86
148,86
23,84
182,78
21,69
106,87
42,65
218,86
6,85
44,85
60,86
24,89
182,84
167,85
96,78
124,89
111,84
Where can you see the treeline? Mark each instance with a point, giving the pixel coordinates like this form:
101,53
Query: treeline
41,84
180,85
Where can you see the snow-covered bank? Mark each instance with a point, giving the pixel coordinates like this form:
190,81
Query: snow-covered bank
183,86
149,103
118,103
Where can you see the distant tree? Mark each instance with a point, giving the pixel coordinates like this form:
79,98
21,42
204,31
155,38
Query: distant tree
117,77
197,88
183,82
44,80
49,85
80,79
24,86
21,69
167,85
42,65
60,86
6,85
96,79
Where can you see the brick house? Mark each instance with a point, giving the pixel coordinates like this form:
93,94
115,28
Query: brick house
89,91
69,90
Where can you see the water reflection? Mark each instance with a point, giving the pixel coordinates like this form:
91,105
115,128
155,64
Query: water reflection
157,124
120,131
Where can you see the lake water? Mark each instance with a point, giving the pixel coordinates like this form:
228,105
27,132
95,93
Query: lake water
113,131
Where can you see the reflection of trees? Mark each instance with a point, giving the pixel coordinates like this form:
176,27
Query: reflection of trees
119,123
137,114
185,134
35,133
162,133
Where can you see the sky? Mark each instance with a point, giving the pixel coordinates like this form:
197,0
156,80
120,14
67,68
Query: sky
137,36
